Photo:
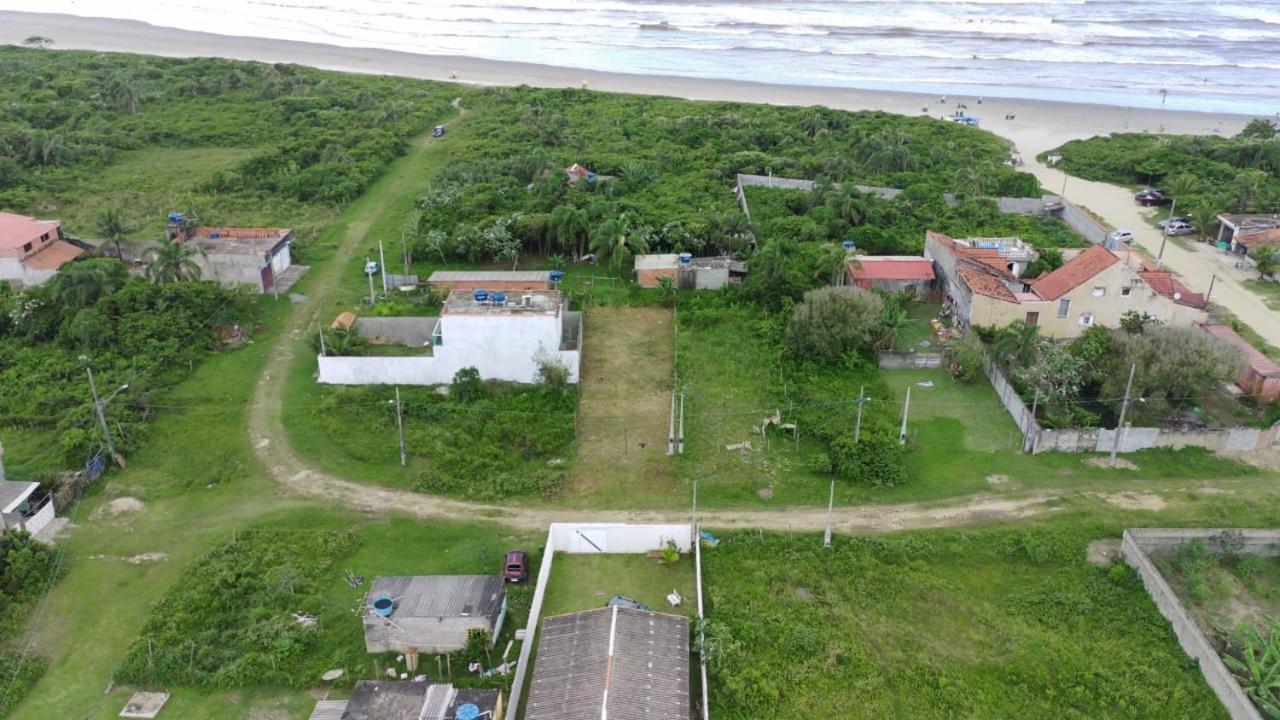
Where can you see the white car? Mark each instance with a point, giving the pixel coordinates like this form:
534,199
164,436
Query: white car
1180,228
1119,236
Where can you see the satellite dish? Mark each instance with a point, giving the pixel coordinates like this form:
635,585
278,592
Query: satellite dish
1177,296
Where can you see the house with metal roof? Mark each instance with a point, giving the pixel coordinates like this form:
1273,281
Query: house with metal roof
1096,287
31,250
411,700
432,613
613,663
1241,232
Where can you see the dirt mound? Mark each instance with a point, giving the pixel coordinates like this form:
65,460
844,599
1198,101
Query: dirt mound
121,506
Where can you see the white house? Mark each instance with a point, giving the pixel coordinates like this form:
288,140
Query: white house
504,337
432,613
257,257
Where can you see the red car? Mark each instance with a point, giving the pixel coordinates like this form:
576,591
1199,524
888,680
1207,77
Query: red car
516,568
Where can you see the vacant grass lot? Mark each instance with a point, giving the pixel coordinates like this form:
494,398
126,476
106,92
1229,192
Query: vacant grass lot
978,624
584,582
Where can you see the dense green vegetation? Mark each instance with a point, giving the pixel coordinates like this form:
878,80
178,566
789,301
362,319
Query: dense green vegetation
1206,174
27,569
130,332
893,227
252,143
491,443
666,170
986,623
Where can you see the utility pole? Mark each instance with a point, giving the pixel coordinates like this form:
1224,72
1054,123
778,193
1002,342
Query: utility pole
857,428
906,407
831,498
693,513
102,418
1115,447
680,432
1164,233
1212,280
1035,404
404,458
382,266
366,268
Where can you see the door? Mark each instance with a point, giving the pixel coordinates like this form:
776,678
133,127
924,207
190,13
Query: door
1033,318
267,277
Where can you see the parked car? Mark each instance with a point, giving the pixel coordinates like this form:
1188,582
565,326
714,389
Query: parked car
1118,236
516,567
1180,228
1151,196
626,602
438,131
1174,219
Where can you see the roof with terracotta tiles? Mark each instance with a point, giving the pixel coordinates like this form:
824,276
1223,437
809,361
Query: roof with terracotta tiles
1075,272
891,268
1259,363
1270,236
53,256
986,284
1169,286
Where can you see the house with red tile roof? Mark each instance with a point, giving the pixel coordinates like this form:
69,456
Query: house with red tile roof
1260,376
31,250
1096,287
893,273
1242,232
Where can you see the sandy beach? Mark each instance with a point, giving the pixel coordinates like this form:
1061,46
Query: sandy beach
1036,125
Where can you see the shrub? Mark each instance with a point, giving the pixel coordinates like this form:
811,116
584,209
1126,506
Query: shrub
832,322
467,385
965,359
553,375
875,460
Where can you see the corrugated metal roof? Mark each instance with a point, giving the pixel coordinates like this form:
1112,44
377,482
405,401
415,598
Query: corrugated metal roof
441,595
634,664
13,492
329,710
443,276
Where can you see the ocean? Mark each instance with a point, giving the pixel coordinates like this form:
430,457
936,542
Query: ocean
1212,56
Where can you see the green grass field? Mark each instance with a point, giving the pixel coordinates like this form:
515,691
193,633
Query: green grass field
584,582
945,624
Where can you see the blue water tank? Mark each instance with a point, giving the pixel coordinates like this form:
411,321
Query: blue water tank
686,258
847,244
214,234
467,711
480,295
384,605
499,298
557,276
176,217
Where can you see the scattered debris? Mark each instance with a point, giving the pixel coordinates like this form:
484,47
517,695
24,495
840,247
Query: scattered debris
305,620
708,538
803,594
744,445
333,674
144,705
391,673
146,558
555,461
353,579
1103,552
442,390
228,337
765,493
997,479
297,298
674,599
925,384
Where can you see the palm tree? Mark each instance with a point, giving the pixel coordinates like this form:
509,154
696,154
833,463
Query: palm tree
123,88
615,244
80,284
822,191
850,205
113,226
569,227
888,151
1249,185
1017,343
173,262
1204,215
1267,258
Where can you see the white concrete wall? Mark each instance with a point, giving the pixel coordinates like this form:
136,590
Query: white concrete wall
36,523
14,272
501,347
232,269
282,260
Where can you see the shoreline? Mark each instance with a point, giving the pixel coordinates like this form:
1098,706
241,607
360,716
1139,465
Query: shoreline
1038,125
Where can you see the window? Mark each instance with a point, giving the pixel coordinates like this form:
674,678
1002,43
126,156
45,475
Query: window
1064,307
1086,319
26,248
1126,291
1099,291
1033,318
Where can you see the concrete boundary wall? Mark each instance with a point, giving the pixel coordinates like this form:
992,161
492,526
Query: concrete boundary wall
1136,546
895,360
596,539
411,331
1018,410
1079,219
